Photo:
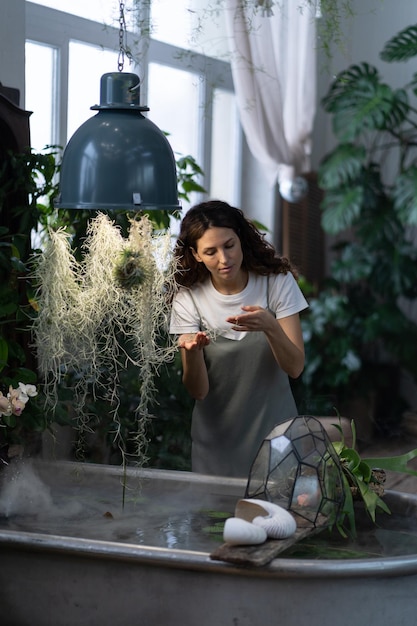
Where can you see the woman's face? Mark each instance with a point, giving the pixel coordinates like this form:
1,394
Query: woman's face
221,252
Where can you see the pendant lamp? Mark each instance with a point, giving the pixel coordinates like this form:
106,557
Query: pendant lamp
118,160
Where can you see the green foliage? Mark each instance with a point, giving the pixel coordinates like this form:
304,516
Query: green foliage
361,480
342,165
341,208
356,326
360,102
27,187
188,173
401,47
330,352
405,195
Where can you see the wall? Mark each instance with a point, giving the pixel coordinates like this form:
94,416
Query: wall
12,46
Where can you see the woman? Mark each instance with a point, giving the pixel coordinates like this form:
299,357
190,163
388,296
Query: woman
237,316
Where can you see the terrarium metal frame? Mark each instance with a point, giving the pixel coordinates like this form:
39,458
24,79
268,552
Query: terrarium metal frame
298,468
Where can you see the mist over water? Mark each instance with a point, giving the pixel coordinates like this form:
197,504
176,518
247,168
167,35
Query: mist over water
167,512
170,515
22,492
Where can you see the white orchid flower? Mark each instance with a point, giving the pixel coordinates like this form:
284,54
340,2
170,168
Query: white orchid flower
26,392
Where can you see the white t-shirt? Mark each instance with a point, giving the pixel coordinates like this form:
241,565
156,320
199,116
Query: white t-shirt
203,307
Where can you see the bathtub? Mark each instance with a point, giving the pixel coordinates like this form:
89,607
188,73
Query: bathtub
50,576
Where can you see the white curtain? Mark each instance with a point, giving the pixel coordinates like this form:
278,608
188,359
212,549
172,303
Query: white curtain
273,57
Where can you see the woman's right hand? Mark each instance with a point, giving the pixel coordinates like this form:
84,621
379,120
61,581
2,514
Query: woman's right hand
194,375
193,341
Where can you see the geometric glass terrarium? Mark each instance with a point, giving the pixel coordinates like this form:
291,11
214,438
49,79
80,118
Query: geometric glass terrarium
297,468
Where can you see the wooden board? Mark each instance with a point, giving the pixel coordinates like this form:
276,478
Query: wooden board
264,553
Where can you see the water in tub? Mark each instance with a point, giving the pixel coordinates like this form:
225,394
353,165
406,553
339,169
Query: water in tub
178,514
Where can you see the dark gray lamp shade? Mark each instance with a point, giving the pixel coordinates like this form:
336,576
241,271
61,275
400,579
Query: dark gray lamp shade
118,159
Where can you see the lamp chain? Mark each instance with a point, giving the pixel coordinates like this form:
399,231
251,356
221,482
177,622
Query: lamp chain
123,49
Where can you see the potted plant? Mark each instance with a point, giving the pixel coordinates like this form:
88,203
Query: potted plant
358,336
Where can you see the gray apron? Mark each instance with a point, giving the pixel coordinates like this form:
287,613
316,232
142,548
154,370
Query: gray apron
249,394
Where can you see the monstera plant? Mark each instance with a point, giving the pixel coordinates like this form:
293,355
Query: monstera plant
358,335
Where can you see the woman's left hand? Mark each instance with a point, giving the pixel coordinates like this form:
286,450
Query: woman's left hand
253,318
284,336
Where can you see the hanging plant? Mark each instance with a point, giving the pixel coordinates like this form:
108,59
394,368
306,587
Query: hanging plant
331,17
102,314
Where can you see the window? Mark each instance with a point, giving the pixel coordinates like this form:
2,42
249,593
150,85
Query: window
164,14
189,93
173,99
84,86
40,93
190,24
225,168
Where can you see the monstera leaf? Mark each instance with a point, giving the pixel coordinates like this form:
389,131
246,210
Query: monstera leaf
405,195
360,102
341,208
341,166
402,46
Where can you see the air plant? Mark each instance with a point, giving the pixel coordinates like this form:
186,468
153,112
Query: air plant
130,269
100,315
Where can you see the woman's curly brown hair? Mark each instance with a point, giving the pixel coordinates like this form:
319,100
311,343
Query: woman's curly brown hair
259,256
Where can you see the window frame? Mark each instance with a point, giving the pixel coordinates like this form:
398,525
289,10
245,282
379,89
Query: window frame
56,28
